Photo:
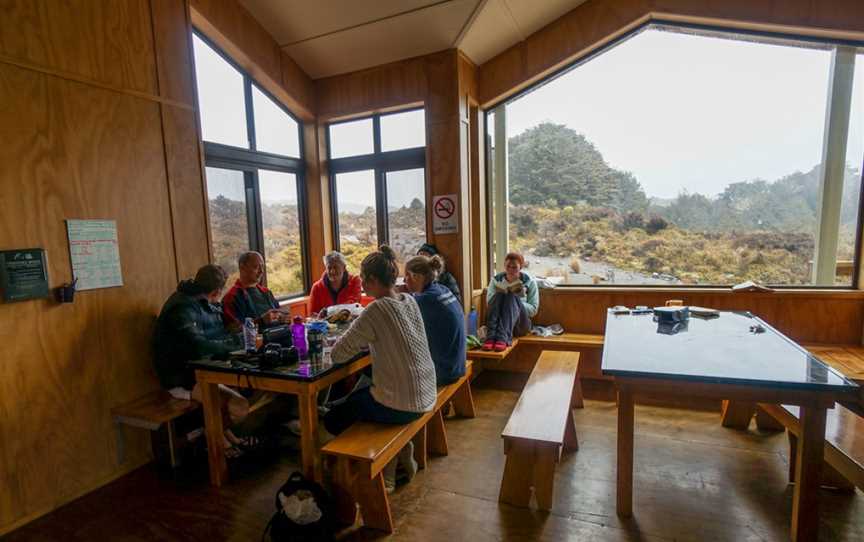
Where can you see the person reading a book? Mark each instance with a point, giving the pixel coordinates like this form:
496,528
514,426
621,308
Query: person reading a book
442,317
403,374
512,299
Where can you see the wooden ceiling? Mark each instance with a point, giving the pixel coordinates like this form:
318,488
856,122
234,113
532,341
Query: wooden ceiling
337,36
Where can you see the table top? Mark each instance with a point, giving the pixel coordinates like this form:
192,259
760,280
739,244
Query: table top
721,350
302,371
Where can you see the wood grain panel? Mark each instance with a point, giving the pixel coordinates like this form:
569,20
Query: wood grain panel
186,188
595,22
317,200
173,50
75,151
109,42
232,28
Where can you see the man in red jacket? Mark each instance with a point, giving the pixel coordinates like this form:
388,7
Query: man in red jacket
336,286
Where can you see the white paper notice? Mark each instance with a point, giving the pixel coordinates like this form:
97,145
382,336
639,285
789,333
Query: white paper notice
95,253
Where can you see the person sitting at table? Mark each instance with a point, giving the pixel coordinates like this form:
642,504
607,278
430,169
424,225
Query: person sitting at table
403,374
189,327
443,318
336,286
247,298
512,299
445,278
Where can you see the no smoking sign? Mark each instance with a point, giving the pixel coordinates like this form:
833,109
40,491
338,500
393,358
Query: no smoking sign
444,214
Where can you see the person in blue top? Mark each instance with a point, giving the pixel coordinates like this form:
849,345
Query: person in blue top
512,299
442,317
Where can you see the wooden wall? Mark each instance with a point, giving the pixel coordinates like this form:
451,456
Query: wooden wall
599,21
97,120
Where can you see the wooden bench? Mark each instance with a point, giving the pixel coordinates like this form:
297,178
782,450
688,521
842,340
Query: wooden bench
539,427
844,444
848,359
154,411
565,341
362,452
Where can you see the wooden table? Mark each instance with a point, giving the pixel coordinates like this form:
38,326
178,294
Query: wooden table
299,381
722,358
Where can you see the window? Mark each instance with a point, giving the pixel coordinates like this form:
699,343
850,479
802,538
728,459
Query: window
254,173
682,156
378,179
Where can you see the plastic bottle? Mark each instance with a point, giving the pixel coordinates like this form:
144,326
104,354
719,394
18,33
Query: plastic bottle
298,333
250,335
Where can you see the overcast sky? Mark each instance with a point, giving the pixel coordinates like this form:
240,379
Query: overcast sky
696,113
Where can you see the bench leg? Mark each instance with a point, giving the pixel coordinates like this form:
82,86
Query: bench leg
737,414
436,435
793,455
518,470
343,481
766,422
576,400
420,448
571,442
463,401
831,477
545,458
121,442
374,506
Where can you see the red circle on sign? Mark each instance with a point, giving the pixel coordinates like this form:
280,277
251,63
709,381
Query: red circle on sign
444,208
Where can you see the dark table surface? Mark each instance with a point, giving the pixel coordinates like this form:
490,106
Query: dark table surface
302,371
720,350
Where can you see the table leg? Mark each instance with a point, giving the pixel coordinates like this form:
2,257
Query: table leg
737,414
308,403
212,404
625,452
808,468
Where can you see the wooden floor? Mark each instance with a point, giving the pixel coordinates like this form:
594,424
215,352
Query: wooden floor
694,480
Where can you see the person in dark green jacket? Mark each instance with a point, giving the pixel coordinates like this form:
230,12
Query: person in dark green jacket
190,327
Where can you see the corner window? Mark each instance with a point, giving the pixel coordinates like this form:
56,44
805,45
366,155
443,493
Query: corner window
254,173
682,156
378,179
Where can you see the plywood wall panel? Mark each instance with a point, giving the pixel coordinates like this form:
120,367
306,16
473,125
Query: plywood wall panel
188,198
173,51
75,151
107,42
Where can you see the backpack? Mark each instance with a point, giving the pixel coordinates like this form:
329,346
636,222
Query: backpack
309,501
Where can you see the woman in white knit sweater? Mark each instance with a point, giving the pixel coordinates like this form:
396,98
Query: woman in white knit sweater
391,327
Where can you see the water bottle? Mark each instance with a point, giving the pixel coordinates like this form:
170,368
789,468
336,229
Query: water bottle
250,334
298,333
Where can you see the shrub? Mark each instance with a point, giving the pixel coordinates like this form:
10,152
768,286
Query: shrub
655,224
574,265
633,220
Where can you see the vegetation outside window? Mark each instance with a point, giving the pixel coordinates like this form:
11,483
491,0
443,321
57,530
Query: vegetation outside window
679,157
378,179
254,173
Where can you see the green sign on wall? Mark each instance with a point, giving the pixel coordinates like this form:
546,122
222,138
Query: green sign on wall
23,274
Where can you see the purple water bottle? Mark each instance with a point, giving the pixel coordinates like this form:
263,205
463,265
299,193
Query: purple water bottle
298,333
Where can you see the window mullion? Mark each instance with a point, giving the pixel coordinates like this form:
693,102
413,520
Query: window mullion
250,113
381,206
838,111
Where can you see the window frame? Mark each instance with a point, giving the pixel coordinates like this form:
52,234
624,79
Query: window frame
761,36
250,160
381,163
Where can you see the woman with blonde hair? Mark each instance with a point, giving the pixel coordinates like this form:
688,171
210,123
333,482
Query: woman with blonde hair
442,317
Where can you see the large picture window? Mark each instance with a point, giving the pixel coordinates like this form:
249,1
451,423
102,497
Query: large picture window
684,156
378,179
254,172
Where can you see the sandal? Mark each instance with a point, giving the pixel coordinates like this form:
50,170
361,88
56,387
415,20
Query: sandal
251,443
233,452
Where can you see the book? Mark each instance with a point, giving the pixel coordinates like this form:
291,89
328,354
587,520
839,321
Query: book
750,286
515,287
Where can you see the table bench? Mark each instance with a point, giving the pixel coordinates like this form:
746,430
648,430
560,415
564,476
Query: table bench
362,452
154,411
540,426
844,444
563,341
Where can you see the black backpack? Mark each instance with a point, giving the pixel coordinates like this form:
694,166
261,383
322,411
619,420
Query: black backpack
282,529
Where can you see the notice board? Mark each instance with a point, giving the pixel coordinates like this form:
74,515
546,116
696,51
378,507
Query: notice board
23,274
95,253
